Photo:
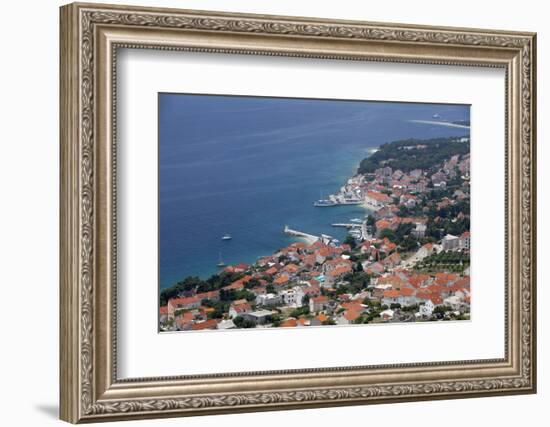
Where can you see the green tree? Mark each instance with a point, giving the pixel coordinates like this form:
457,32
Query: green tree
350,240
389,233
243,323
371,221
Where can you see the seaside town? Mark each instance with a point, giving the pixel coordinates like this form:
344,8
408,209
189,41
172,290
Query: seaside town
406,260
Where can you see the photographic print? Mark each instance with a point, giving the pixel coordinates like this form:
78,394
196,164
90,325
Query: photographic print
291,212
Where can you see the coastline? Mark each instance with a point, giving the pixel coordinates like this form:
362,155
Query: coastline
370,277
370,207
309,240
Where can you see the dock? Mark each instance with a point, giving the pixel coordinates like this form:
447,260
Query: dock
310,237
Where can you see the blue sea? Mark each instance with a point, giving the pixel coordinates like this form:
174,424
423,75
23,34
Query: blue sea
248,166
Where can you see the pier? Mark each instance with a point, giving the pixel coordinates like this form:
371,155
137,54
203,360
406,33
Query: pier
310,237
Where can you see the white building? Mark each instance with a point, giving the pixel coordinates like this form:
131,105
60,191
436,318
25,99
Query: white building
239,310
292,297
424,251
440,185
456,301
259,316
450,242
226,324
387,314
427,308
419,230
376,200
268,299
317,304
464,242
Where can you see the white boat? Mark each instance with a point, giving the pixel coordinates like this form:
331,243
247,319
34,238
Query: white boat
322,203
226,236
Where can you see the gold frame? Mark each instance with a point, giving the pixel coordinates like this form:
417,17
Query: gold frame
90,36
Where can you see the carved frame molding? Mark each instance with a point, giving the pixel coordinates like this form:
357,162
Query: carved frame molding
90,390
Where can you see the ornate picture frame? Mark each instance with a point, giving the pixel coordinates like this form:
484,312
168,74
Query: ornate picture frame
90,37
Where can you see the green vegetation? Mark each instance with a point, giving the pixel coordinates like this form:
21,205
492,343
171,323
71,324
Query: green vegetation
350,240
243,323
395,155
389,233
232,295
221,307
215,282
442,309
302,311
354,283
446,260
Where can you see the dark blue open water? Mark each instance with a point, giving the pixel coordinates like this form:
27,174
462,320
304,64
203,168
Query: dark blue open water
248,165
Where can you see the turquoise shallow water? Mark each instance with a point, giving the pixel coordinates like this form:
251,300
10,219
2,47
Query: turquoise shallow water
247,166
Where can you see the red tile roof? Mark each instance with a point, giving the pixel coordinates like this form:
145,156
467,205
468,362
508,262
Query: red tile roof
445,278
208,295
291,268
242,308
186,316
238,284
407,292
207,324
324,252
175,302
289,323
382,223
437,300
354,306
391,293
380,197
311,290
271,271
322,317
417,280
351,315
282,279
339,271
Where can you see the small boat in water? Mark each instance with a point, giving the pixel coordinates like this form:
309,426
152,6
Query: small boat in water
226,236
220,262
322,203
